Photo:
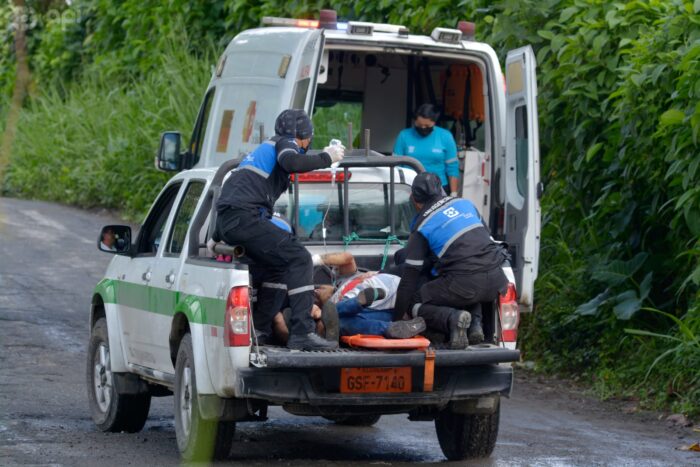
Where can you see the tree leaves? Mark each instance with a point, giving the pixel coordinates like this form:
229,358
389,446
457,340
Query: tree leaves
672,117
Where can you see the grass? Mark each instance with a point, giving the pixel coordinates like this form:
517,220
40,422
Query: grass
93,143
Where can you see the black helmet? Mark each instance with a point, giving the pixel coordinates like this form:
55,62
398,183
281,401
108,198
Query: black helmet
294,123
426,186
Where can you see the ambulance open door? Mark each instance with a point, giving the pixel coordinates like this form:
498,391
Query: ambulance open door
522,187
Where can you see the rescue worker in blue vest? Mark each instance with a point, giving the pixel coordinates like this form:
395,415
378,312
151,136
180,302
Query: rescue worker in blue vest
244,209
449,232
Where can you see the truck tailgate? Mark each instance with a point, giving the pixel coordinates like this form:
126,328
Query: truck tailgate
280,357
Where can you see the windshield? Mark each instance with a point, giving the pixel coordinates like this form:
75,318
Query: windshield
369,210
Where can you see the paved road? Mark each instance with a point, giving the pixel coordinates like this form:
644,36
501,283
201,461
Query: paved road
48,267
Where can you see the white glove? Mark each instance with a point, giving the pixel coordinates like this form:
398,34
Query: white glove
454,194
336,152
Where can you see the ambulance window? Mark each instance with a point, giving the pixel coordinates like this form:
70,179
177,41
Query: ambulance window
301,90
201,126
183,217
521,148
331,121
151,232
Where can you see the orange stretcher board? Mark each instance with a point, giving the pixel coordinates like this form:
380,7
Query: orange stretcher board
380,342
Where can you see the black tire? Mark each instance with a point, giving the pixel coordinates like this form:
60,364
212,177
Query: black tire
464,436
197,439
355,420
110,410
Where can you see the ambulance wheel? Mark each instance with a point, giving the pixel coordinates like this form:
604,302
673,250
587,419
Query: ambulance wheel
467,436
110,410
198,439
355,420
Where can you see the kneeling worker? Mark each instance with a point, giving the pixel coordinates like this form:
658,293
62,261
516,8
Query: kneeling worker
244,209
468,262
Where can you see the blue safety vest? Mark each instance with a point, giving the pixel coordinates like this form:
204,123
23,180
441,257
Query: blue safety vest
261,161
445,222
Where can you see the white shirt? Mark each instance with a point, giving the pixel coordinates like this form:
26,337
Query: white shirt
388,282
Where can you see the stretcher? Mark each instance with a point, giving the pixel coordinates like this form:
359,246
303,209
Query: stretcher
381,343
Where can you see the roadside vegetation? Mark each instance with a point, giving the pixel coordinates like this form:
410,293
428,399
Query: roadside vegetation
618,305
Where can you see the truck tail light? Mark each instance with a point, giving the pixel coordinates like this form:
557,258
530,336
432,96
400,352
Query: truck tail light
237,318
510,314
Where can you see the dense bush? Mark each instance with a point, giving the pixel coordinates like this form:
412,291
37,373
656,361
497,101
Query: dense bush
619,86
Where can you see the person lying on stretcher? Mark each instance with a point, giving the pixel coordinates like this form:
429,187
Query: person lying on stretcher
364,302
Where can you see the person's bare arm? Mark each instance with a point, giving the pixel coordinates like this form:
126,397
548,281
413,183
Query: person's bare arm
344,261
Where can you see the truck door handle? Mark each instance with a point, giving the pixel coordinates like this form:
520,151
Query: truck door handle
146,276
170,278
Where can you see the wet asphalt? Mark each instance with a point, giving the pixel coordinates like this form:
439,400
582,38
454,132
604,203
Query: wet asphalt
49,265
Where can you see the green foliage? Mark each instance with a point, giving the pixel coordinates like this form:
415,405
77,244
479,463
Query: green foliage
94,144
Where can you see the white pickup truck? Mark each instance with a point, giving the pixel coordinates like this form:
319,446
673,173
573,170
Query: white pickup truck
169,319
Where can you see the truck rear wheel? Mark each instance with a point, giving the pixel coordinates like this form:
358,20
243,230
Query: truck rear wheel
467,436
198,439
111,411
355,420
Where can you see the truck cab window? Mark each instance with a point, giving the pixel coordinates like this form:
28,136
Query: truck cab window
182,219
152,230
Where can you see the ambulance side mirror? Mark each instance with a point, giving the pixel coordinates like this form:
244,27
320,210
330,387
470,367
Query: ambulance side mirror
169,158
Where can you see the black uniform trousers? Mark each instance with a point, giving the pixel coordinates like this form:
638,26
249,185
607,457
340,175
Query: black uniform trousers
283,268
435,300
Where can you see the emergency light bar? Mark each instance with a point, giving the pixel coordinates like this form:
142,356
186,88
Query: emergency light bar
447,36
290,22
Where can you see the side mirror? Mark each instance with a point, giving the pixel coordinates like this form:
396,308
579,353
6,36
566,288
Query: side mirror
169,158
115,239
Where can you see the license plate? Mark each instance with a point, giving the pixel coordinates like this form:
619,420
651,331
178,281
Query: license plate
361,380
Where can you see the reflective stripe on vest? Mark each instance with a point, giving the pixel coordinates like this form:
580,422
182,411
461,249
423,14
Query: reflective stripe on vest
446,224
261,161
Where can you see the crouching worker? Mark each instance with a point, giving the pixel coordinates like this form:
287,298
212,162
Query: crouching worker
244,209
365,301
468,263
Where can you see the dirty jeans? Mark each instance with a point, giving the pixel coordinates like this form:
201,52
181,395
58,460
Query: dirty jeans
356,319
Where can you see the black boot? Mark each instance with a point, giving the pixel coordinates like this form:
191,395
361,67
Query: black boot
331,321
263,338
476,332
310,341
405,329
459,324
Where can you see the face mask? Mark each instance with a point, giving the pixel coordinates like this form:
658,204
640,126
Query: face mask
424,131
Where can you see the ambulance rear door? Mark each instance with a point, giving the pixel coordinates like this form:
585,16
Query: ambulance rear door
262,72
522,177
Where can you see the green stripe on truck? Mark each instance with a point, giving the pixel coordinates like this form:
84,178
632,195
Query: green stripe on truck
201,310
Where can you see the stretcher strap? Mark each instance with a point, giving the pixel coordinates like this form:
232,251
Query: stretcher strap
353,237
429,372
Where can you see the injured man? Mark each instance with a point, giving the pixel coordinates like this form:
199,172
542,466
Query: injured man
364,302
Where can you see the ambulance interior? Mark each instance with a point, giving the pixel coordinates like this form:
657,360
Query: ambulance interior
381,91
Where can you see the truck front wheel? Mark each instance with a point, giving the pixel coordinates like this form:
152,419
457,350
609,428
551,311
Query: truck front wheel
111,410
467,436
198,439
